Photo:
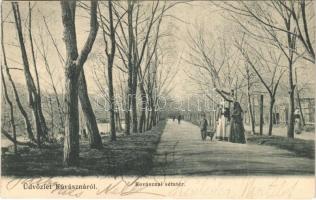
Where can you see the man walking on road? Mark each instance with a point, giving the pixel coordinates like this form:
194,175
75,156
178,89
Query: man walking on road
203,126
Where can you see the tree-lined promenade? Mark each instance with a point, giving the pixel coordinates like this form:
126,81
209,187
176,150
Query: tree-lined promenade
129,64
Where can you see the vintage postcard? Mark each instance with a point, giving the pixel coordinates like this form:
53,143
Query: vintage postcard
158,99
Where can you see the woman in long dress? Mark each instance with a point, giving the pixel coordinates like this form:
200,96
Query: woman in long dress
220,123
237,131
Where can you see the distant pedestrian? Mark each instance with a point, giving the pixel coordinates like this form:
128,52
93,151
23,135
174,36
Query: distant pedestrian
173,117
237,131
203,126
179,119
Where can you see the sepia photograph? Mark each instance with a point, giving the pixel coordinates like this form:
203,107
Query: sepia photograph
143,97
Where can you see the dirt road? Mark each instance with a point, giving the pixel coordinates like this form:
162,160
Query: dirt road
182,152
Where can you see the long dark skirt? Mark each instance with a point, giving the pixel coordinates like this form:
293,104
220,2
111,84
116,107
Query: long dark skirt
237,132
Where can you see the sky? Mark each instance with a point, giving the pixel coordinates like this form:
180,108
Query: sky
181,20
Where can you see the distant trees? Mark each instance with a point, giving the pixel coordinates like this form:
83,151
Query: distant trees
136,49
275,26
282,25
269,76
135,37
286,43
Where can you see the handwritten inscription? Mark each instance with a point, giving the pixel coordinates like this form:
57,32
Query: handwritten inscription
120,186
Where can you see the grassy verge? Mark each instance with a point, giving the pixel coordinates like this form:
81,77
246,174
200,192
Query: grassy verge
129,155
303,148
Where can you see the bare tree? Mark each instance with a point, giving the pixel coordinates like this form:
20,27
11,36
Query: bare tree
110,54
73,68
135,36
39,100
289,52
217,64
142,72
283,36
301,12
250,103
139,21
15,92
34,102
90,119
275,74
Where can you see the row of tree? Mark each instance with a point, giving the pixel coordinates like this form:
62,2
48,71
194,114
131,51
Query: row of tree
131,57
270,37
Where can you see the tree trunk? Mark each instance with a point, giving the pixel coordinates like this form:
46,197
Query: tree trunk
41,117
134,100
71,139
153,116
254,110
112,101
148,119
251,114
252,120
73,68
127,120
118,123
148,106
300,107
52,117
135,65
290,128
291,40
37,122
142,119
261,115
130,67
272,101
111,57
37,93
299,100
91,123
